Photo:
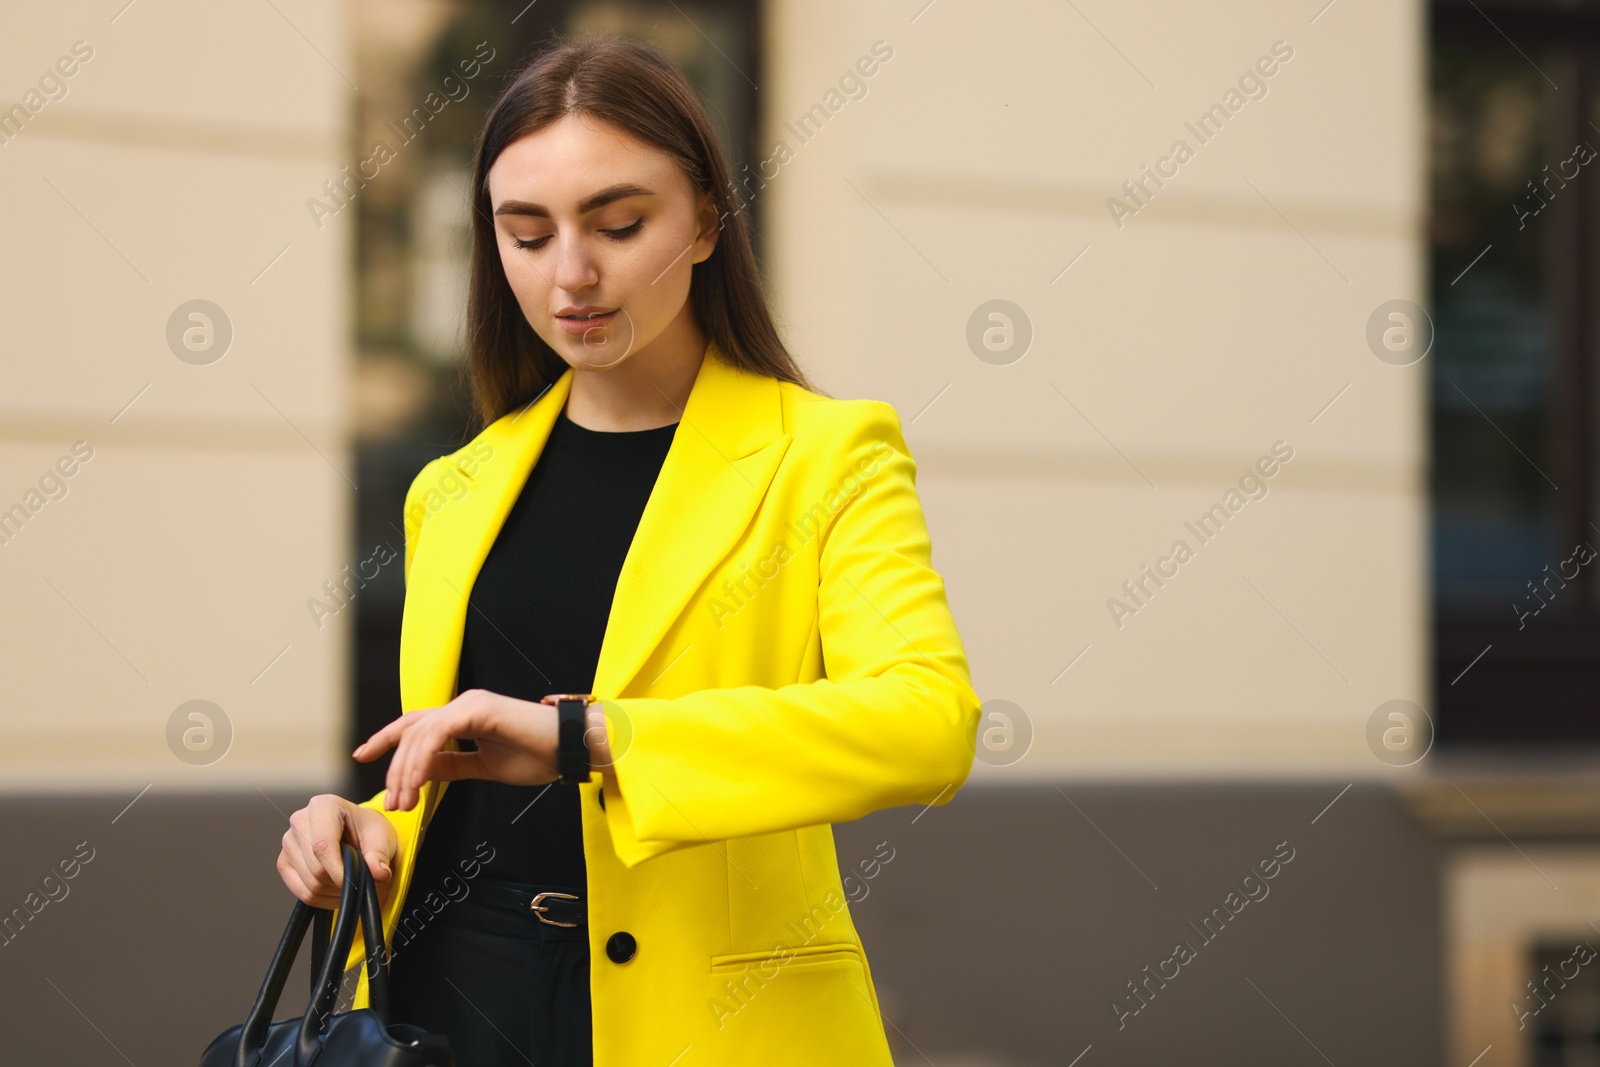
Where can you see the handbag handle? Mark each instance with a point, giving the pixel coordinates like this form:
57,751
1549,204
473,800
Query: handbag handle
321,928
371,920
377,949
329,969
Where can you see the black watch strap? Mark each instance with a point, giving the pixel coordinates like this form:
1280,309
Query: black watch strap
572,751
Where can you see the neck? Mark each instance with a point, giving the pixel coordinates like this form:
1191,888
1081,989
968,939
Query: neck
646,390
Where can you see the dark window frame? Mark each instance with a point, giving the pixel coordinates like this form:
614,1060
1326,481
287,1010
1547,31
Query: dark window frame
1496,684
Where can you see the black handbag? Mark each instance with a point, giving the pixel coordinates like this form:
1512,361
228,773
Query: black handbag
360,1038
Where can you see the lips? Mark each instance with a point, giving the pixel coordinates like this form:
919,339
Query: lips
582,324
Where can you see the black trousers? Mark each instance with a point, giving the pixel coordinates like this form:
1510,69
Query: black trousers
507,989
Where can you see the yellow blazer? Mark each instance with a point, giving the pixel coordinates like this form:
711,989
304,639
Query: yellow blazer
779,657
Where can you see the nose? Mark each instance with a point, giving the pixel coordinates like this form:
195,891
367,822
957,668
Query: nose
575,265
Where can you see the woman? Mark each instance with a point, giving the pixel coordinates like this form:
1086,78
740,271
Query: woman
726,572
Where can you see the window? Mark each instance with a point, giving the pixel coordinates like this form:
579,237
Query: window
1514,144
412,250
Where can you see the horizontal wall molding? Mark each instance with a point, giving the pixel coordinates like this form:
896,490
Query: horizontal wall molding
187,134
1244,210
1167,469
267,432
945,460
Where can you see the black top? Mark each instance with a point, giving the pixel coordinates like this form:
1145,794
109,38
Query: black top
536,617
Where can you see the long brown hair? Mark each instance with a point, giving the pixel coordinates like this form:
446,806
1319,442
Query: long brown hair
636,88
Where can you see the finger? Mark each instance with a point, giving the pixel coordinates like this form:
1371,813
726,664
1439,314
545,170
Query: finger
436,749
410,764
374,848
391,778
377,860
409,759
383,740
378,866
386,736
297,886
297,845
327,831
427,748
292,879
296,855
405,742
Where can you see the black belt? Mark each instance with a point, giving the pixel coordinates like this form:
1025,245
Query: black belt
553,906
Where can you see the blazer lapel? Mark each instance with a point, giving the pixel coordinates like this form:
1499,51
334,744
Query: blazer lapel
723,456
456,539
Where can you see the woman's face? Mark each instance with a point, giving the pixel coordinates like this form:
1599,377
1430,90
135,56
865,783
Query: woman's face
589,218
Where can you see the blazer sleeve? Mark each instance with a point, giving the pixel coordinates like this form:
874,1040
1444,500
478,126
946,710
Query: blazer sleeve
415,509
893,722
412,525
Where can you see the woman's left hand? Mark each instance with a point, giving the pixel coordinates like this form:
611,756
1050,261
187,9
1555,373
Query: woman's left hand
516,745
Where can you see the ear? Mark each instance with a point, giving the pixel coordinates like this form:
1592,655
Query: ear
710,229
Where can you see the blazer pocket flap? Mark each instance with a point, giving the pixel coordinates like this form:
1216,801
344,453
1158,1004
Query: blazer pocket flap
781,956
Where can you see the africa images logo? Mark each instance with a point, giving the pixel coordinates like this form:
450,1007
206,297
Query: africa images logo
1205,528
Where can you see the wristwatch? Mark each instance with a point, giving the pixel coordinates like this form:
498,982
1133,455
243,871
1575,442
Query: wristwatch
572,751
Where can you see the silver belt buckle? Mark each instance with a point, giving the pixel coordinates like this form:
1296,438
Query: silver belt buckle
539,908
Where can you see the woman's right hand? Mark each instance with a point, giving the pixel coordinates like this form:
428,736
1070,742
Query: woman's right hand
312,861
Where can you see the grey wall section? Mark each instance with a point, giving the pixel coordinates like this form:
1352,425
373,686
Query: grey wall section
999,933
1008,921
164,937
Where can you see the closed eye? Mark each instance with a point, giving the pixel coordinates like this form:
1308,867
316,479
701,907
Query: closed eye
626,232
616,235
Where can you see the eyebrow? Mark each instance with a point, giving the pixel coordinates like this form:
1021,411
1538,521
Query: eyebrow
600,199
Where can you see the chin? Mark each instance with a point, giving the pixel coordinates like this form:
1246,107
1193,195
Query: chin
598,363
619,347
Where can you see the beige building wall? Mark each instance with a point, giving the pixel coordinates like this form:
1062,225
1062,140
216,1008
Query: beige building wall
1168,352
1167,355
174,564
